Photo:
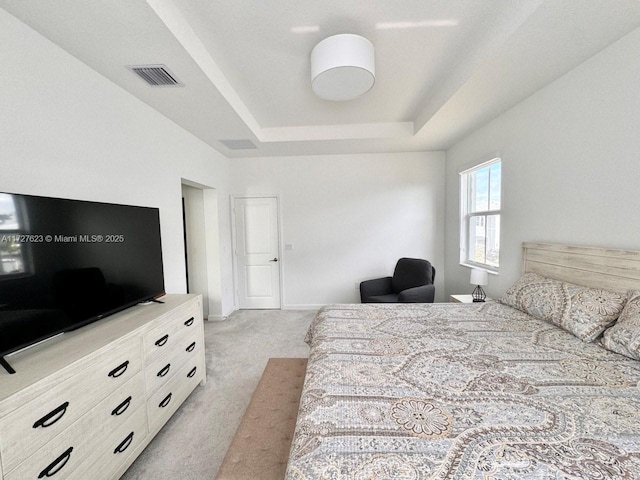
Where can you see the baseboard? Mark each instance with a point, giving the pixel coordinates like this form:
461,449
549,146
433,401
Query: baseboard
294,306
303,306
220,318
228,312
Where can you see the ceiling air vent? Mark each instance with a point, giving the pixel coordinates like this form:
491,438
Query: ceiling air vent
156,75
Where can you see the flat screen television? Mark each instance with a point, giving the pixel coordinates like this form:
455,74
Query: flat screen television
67,263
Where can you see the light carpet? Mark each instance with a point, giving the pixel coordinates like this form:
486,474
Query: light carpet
193,443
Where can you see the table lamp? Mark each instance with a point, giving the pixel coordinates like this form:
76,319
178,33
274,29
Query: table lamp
479,277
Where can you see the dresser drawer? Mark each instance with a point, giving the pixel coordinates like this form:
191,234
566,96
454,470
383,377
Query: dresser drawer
163,368
37,422
63,454
168,398
107,458
163,339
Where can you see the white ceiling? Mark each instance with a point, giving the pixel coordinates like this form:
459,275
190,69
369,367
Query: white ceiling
443,67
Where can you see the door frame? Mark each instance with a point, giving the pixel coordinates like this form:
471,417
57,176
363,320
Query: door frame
212,292
234,244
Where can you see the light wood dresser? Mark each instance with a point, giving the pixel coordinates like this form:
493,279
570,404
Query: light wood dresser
86,403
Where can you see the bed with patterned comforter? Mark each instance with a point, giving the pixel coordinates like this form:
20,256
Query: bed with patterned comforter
461,391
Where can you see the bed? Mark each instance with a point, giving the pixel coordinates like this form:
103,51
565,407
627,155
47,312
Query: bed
467,391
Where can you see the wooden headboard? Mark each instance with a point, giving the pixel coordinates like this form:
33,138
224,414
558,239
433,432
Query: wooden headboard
607,268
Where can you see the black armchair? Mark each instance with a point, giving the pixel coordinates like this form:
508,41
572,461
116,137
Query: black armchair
412,282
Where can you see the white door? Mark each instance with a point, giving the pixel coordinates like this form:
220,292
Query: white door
257,252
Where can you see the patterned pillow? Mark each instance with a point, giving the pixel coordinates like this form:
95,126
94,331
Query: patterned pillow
585,312
624,336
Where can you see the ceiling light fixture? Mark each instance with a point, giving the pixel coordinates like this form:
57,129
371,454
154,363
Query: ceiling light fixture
342,67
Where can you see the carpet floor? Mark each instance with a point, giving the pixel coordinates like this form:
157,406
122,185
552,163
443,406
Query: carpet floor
192,445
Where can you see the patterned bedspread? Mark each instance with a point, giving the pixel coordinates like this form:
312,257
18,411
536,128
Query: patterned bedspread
461,391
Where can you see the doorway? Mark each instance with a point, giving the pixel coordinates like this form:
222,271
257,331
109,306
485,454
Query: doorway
202,246
257,252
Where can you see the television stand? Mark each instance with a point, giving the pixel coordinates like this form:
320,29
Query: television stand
86,403
6,366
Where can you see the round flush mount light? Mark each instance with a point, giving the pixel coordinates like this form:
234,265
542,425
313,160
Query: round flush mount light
342,67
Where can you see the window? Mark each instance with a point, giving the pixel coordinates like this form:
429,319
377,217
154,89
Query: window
12,254
480,202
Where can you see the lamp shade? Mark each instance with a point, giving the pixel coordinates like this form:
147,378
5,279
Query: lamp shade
479,277
342,67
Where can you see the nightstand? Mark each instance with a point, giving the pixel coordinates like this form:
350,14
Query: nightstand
463,299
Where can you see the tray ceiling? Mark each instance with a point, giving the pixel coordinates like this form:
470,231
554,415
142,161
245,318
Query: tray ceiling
442,68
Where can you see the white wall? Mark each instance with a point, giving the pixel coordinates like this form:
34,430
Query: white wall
68,132
350,217
570,163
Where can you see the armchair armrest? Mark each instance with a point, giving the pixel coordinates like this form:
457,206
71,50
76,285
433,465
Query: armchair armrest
422,294
377,286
